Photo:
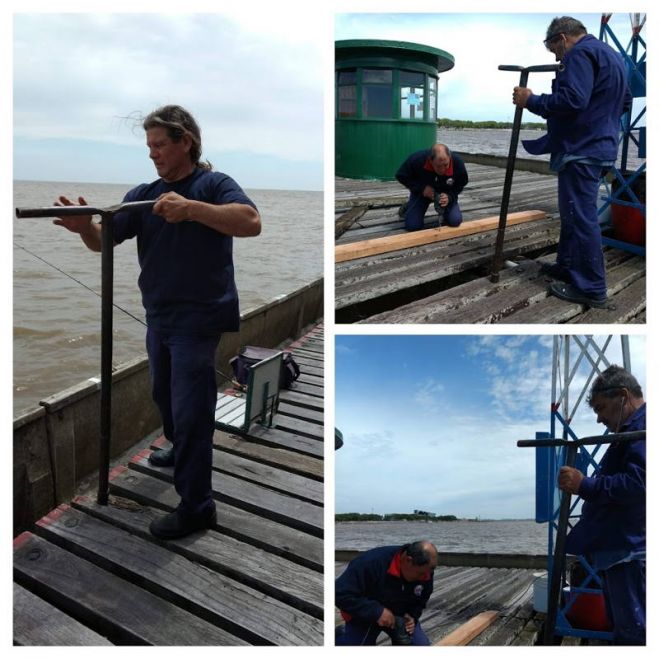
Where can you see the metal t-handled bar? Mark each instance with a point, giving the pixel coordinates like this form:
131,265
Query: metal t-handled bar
107,270
558,561
497,262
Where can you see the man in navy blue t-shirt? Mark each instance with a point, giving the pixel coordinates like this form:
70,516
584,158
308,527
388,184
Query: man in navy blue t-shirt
611,532
184,247
589,95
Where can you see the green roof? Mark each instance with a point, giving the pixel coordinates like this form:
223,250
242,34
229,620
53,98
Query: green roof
439,59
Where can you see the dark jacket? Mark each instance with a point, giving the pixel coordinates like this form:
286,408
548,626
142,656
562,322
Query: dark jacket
613,513
417,172
372,582
588,97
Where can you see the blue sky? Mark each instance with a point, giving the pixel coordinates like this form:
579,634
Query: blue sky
254,84
432,422
474,89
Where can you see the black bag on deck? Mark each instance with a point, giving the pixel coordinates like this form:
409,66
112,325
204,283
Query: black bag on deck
250,355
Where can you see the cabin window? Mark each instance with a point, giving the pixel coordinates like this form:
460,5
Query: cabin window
347,93
432,98
376,93
412,94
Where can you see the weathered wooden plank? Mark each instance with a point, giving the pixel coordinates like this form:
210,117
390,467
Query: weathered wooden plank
345,221
267,534
300,399
283,439
470,629
256,617
298,426
627,303
307,389
37,622
286,581
302,413
271,477
277,457
425,236
124,613
249,496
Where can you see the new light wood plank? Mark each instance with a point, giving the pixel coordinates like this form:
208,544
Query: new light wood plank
472,628
415,238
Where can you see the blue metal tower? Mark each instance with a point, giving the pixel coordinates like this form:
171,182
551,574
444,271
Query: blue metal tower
623,205
577,360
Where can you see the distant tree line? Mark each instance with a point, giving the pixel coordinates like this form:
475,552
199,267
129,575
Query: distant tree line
462,123
416,516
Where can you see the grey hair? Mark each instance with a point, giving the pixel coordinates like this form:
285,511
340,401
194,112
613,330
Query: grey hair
565,25
178,122
611,381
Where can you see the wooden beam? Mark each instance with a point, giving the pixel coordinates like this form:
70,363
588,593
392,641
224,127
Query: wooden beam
470,630
374,246
343,223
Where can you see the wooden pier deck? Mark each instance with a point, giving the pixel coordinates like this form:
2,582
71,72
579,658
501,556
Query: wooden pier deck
460,593
93,575
447,282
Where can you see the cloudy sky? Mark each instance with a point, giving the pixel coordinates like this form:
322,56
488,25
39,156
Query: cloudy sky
475,89
431,422
253,81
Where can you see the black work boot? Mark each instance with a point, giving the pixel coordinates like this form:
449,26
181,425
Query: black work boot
162,457
177,524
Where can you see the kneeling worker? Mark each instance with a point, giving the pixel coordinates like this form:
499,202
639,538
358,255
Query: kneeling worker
385,590
434,175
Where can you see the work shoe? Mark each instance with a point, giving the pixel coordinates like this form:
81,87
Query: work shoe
555,271
402,210
162,458
177,524
571,293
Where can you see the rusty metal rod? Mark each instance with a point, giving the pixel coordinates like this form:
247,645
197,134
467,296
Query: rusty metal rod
107,273
497,262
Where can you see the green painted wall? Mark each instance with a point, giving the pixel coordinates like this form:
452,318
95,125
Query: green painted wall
376,148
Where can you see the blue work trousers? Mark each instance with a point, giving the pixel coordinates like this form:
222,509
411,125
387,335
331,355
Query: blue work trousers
624,593
356,632
417,206
184,388
580,242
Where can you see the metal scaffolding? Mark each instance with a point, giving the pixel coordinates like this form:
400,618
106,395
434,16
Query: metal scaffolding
625,187
577,361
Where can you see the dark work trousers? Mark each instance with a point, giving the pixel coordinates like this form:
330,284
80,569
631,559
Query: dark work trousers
417,206
580,242
183,383
359,633
624,593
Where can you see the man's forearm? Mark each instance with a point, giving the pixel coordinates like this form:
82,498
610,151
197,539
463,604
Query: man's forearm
240,220
92,237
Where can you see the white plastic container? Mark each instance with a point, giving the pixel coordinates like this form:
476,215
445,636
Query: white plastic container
540,587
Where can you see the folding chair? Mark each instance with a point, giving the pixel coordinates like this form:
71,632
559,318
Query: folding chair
259,404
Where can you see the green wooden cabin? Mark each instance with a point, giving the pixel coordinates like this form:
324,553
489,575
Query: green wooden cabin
386,104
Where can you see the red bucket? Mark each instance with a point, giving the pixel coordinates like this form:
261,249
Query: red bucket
588,611
628,224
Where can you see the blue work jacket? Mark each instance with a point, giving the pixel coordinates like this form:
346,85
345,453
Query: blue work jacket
589,95
373,582
417,172
613,513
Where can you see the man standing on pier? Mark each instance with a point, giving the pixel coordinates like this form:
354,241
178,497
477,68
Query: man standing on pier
589,95
437,176
611,532
385,590
184,247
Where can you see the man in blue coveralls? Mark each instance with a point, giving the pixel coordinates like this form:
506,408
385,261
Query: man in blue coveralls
611,531
385,590
589,95
184,247
434,175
